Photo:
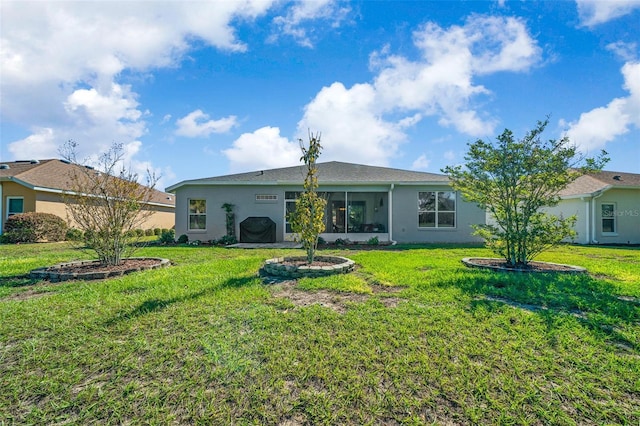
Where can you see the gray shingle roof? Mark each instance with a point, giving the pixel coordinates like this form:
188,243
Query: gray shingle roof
332,172
591,183
55,175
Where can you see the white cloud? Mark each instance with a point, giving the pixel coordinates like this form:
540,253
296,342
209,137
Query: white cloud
594,12
197,124
625,51
366,123
595,128
351,126
296,23
262,149
61,62
421,163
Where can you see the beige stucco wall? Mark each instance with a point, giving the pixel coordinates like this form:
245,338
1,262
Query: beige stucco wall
48,202
580,208
11,189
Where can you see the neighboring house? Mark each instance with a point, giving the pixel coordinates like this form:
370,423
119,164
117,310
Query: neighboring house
607,205
362,202
37,186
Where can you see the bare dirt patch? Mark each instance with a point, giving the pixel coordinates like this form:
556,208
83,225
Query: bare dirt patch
337,301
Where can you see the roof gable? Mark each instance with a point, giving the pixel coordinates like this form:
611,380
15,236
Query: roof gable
54,175
592,183
333,172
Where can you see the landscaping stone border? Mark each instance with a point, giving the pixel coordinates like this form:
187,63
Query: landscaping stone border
283,267
53,274
559,268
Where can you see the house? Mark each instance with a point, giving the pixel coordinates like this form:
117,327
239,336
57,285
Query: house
362,202
607,205
37,186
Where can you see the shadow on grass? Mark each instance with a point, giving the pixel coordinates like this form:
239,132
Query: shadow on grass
150,306
593,302
17,281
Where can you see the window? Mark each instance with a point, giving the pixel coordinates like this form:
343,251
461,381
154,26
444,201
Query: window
608,218
197,214
437,209
266,198
15,205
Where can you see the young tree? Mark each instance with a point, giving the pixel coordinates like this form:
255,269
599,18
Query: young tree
107,203
308,218
514,180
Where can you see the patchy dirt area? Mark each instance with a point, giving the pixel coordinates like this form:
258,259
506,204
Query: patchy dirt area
337,301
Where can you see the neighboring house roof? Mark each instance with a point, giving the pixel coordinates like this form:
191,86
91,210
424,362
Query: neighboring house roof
332,172
592,183
55,176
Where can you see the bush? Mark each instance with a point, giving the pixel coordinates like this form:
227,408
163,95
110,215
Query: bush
148,232
157,231
33,227
373,241
168,236
342,242
183,239
321,241
227,240
74,234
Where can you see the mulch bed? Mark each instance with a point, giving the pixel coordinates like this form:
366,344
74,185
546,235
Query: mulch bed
95,267
501,264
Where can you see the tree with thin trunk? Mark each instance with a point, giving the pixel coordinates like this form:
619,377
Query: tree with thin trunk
107,203
514,180
307,221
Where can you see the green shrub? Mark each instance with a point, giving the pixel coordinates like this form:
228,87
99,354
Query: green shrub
148,232
168,236
33,227
74,234
373,241
183,239
227,240
139,232
321,241
342,242
157,231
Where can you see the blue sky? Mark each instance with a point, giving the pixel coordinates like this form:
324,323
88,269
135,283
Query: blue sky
198,89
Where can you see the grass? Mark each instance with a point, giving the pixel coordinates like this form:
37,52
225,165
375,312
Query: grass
206,342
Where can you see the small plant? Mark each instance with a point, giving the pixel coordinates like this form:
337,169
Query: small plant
157,231
373,241
230,219
321,241
183,239
194,243
168,236
148,232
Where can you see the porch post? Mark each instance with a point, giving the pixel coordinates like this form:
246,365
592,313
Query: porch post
390,224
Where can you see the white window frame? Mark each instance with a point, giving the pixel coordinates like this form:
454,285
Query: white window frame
437,211
613,218
189,214
9,212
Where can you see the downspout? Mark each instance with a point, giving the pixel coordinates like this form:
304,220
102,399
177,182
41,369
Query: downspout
390,195
593,217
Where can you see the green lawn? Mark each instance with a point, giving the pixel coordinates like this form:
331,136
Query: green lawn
419,339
